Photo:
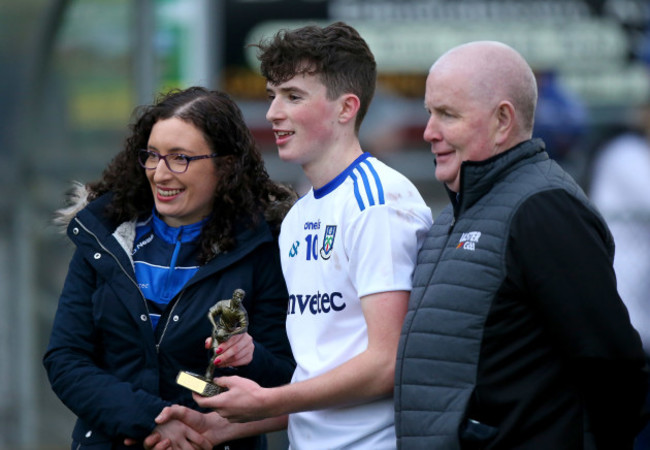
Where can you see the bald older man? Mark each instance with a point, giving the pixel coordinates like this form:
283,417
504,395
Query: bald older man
516,337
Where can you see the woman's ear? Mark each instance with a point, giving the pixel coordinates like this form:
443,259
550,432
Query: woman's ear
350,104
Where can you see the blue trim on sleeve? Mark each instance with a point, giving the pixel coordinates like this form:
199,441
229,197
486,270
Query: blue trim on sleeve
357,194
380,187
366,184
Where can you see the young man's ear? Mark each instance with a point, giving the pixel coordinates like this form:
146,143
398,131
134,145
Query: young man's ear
350,104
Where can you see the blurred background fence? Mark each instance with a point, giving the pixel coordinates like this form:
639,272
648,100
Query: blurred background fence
71,73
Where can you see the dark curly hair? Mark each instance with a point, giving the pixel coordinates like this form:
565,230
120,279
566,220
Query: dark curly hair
336,53
245,192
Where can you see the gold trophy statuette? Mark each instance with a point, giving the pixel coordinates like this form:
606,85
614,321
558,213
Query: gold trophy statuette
228,317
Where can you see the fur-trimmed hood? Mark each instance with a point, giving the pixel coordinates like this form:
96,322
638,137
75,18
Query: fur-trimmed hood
77,198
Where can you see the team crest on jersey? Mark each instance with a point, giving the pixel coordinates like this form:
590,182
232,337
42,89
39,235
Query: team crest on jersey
328,242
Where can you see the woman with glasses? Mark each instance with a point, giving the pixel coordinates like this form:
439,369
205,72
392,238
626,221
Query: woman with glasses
182,217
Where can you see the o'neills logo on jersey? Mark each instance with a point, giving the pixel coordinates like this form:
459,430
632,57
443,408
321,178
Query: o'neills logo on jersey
315,303
141,244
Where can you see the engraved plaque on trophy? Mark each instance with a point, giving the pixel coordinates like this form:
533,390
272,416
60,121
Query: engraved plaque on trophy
228,317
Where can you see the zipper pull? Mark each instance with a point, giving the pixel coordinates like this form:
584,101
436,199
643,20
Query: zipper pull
451,225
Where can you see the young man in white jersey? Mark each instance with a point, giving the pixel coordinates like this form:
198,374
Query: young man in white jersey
348,250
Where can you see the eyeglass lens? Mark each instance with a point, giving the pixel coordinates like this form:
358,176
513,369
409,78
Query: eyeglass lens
175,162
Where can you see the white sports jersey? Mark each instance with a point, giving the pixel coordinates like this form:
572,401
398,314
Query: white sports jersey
355,236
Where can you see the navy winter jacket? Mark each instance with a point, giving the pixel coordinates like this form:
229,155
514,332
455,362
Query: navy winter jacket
107,363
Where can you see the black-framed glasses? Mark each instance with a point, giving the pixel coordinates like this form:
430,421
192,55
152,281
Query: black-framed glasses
176,162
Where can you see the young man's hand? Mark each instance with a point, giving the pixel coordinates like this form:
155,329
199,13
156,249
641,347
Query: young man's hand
242,402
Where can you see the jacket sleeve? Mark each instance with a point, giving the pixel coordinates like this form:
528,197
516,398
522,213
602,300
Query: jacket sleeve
80,378
273,362
563,252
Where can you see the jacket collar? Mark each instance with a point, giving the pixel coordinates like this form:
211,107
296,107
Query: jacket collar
478,177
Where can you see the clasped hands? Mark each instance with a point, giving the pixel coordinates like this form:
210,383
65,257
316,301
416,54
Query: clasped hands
181,428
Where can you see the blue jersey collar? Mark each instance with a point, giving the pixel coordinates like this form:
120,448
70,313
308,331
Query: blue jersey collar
171,235
340,178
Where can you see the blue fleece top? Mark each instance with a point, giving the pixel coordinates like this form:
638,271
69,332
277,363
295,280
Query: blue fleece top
165,258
